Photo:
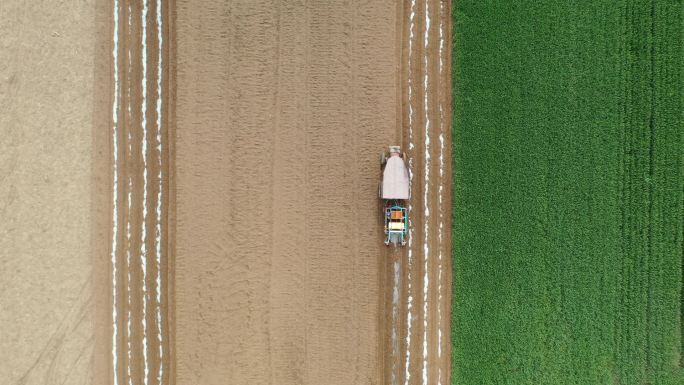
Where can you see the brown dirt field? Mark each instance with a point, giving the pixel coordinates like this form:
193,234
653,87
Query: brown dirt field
46,107
282,109
237,235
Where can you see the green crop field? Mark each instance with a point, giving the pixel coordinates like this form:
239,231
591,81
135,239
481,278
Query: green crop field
568,192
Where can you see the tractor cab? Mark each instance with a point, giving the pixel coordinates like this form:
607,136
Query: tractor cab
394,191
396,224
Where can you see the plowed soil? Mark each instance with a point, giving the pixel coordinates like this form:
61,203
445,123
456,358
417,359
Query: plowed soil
281,274
236,226
282,111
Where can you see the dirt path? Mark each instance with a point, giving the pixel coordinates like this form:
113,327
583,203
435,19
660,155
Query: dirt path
282,109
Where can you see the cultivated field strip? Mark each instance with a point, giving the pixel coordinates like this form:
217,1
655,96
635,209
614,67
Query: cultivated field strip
425,268
280,110
568,191
137,279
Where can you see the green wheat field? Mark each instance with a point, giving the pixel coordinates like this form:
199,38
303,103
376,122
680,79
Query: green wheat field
568,192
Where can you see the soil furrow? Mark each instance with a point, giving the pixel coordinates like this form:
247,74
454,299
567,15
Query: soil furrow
426,264
136,331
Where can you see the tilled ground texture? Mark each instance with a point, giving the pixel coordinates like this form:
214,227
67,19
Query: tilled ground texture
419,283
46,105
131,198
568,193
282,109
242,222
